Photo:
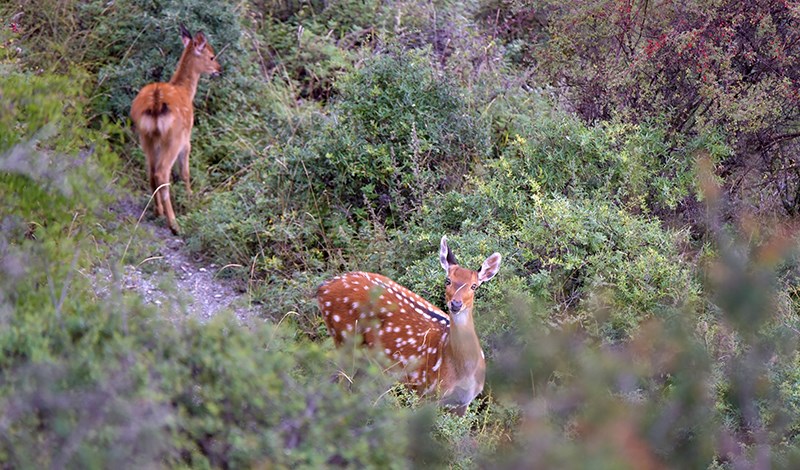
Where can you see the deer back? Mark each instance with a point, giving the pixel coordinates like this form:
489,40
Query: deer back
409,329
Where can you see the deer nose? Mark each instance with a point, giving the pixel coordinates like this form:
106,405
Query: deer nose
455,305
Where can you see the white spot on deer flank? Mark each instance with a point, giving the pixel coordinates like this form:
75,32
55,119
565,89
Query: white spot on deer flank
336,318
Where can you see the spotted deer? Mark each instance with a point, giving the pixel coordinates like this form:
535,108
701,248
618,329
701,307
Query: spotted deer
439,352
163,115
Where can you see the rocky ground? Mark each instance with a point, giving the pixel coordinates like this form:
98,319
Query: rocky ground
166,275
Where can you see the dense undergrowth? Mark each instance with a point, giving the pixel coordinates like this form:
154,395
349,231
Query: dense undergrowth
645,313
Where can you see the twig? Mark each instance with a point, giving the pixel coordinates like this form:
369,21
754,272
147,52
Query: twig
231,265
274,332
151,258
127,245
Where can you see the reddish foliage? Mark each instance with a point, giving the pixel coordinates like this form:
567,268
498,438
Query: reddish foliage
693,65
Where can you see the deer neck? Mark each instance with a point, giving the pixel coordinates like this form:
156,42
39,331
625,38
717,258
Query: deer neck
186,75
463,346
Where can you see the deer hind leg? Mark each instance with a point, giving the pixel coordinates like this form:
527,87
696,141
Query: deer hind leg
163,170
183,158
151,152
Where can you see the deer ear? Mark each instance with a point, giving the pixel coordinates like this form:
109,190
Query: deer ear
200,41
186,36
445,255
490,267
443,250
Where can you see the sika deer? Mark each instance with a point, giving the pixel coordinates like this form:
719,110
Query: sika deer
163,114
440,353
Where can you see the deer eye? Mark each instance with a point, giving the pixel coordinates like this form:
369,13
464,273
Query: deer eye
473,287
447,281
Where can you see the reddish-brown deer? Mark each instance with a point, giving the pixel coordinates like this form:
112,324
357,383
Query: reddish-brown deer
439,353
163,114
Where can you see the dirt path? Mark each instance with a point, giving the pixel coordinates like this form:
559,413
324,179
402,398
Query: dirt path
169,277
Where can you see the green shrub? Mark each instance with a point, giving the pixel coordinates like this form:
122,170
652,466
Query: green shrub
243,398
311,45
597,264
53,168
398,134
351,136
47,36
637,165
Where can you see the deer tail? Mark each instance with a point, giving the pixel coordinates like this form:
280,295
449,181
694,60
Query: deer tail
150,113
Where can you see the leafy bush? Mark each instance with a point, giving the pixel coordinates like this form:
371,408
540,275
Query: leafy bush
311,45
43,118
637,165
399,133
47,36
597,265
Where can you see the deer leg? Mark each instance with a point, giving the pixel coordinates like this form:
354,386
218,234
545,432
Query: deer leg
151,153
162,176
183,157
